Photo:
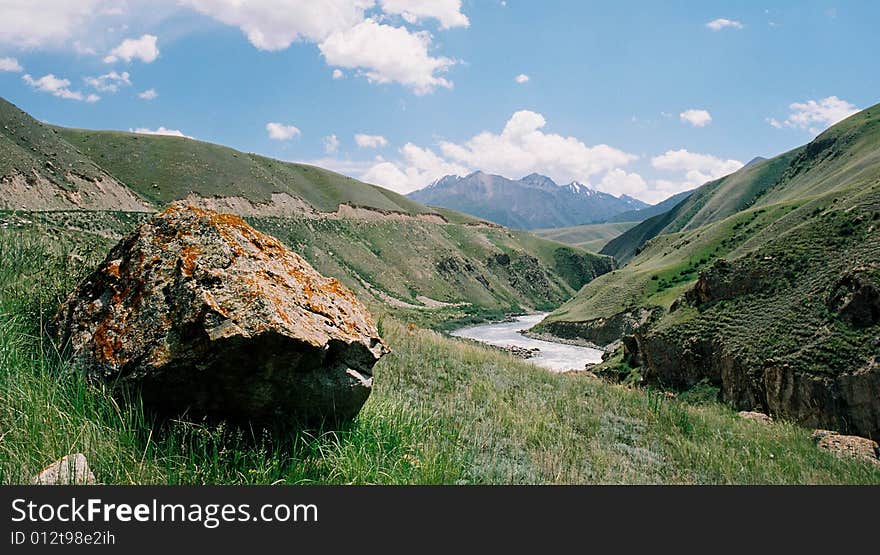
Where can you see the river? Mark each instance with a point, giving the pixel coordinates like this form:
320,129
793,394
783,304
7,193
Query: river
556,357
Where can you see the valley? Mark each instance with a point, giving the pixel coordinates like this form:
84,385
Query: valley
763,284
667,296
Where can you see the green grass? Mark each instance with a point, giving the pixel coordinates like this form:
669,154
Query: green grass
443,411
591,237
397,259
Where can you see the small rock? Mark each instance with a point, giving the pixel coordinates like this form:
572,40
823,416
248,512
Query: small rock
854,447
68,470
756,416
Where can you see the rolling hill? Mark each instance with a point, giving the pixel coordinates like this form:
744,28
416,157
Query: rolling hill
643,214
434,264
591,237
533,202
765,284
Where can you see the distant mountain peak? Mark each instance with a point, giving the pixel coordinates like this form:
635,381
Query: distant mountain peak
533,201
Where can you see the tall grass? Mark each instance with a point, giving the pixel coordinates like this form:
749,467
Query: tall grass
442,411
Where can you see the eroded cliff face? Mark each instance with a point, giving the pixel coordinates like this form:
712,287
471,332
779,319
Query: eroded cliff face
602,331
802,382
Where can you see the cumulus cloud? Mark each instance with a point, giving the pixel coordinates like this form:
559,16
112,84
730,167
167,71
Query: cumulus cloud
417,168
59,87
10,64
816,115
331,144
109,82
386,54
370,141
161,130
346,38
281,131
522,147
697,118
276,24
522,78
148,94
618,182
143,49
693,168
722,23
446,12
30,24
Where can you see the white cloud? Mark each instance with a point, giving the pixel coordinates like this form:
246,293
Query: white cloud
347,38
387,54
522,78
618,182
697,118
276,24
695,169
816,115
331,144
447,12
370,141
522,147
281,132
519,149
82,49
161,131
722,23
109,82
418,167
31,24
10,64
58,87
143,48
148,94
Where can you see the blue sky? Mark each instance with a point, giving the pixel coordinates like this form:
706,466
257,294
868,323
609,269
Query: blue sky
644,98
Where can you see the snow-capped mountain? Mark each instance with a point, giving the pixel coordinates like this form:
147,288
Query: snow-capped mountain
533,202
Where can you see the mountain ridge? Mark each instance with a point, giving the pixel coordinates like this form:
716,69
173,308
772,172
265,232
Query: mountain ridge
764,284
531,202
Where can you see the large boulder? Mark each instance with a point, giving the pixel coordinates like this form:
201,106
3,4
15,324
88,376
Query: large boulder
201,314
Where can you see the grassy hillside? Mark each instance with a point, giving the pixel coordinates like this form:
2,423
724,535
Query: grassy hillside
437,274
775,246
736,215
842,158
712,202
591,237
35,160
443,412
164,169
440,272
644,213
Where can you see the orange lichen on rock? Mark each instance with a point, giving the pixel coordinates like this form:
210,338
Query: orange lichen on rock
192,290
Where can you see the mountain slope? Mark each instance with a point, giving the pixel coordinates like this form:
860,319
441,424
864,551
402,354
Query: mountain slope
433,264
163,169
532,202
39,169
643,214
711,202
591,236
766,283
